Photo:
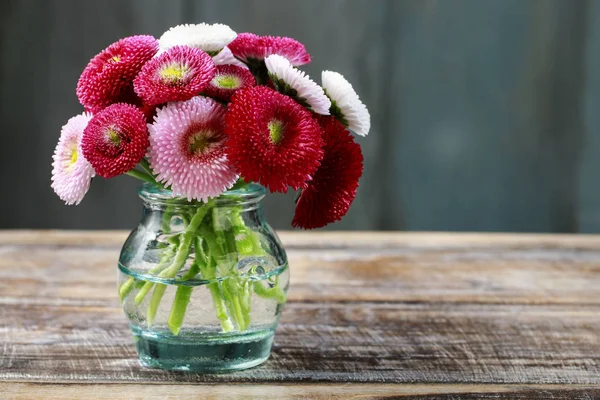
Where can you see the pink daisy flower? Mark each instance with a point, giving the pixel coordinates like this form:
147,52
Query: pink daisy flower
187,149
71,172
272,139
115,140
178,74
228,80
249,47
108,78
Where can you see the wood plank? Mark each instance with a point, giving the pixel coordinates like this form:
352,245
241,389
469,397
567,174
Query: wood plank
320,342
45,391
374,267
331,239
364,307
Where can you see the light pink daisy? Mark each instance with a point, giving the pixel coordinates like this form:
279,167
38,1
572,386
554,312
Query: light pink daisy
187,149
71,172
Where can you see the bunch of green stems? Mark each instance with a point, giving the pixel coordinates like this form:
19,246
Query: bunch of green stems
214,239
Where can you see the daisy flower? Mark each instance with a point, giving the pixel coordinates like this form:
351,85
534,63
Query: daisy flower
178,74
226,57
345,104
115,140
108,78
187,149
249,47
272,139
228,80
206,37
333,187
71,172
296,84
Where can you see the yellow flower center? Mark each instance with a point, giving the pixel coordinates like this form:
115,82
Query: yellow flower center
74,156
174,73
113,136
275,130
226,81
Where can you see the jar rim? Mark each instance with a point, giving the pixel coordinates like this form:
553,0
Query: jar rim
248,193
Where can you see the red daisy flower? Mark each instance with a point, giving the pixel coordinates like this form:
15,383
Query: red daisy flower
108,78
149,111
333,188
228,80
248,47
115,139
178,74
272,139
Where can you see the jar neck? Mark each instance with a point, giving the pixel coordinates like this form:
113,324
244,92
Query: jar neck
245,198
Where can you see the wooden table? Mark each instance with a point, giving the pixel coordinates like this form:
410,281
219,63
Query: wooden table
410,315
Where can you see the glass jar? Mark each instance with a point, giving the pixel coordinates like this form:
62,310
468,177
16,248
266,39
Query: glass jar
203,284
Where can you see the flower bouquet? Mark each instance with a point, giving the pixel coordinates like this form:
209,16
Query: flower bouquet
209,121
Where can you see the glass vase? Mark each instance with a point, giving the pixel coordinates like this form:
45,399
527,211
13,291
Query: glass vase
203,284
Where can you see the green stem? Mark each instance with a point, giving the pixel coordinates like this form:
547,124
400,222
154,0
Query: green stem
145,165
226,249
165,225
141,176
208,268
157,294
178,262
233,300
275,293
184,293
220,307
129,284
182,299
126,288
220,293
245,301
164,262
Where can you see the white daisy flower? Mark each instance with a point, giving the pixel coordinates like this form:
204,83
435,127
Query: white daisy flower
71,172
295,83
210,38
346,105
226,57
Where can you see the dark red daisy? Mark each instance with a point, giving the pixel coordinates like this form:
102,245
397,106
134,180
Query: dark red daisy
272,139
333,187
178,74
249,47
228,80
108,78
115,139
149,111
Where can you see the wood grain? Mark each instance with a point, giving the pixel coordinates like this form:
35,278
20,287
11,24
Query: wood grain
375,309
44,391
373,267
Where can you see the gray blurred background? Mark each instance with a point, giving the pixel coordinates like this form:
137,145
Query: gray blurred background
485,112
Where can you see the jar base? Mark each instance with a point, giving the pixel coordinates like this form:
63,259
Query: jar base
202,352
